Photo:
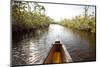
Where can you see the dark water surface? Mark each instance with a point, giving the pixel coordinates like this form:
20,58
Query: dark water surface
33,48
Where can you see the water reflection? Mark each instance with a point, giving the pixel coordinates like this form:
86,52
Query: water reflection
33,48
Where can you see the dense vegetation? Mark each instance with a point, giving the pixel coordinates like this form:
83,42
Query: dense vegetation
83,22
28,16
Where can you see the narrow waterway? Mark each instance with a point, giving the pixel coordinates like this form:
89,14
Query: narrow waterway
33,48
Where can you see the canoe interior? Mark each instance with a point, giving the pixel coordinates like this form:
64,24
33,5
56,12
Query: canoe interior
56,55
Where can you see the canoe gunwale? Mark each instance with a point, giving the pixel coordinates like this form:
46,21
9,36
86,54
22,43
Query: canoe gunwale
57,46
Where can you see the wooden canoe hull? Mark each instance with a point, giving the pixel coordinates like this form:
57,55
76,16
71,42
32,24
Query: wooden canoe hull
58,54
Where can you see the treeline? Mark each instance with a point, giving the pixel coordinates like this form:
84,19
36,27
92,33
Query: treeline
28,16
83,22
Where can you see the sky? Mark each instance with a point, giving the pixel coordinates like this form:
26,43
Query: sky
61,11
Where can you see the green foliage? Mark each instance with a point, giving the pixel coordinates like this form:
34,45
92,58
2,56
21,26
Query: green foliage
79,23
26,16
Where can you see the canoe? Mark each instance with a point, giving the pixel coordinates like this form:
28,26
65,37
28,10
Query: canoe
58,54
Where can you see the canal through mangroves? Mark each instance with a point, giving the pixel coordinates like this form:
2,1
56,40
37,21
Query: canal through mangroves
33,48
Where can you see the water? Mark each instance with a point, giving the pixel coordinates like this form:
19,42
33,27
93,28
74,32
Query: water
33,48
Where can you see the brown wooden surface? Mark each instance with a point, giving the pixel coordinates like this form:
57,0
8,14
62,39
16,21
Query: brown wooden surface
57,54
